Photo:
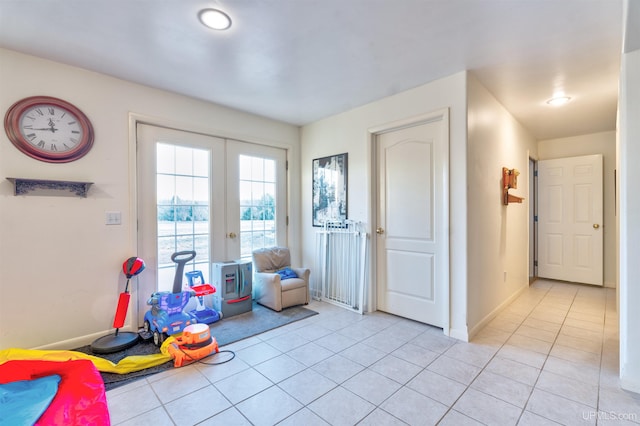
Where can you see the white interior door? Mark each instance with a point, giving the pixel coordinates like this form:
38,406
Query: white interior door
570,219
412,239
219,197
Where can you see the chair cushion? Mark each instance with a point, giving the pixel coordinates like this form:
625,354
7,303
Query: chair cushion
292,283
271,259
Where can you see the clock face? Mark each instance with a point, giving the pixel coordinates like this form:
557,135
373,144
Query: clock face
49,129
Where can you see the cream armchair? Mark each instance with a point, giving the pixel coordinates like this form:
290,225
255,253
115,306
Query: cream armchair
275,290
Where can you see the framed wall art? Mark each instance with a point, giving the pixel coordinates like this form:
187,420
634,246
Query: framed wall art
329,189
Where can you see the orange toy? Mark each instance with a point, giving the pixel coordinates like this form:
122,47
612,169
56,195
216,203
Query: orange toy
193,344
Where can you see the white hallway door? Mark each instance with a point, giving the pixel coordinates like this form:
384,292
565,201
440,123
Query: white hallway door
412,262
219,197
570,217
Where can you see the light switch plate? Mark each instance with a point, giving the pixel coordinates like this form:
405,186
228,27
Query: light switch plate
113,218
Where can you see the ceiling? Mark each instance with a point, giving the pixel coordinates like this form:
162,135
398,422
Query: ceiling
299,61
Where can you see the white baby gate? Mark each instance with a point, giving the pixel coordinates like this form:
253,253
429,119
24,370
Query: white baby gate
340,270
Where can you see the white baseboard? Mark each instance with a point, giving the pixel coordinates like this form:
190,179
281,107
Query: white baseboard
488,318
630,385
76,342
459,333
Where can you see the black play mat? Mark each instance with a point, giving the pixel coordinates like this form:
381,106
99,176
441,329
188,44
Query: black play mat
226,331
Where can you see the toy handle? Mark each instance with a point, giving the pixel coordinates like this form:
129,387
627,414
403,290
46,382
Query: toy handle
181,258
178,256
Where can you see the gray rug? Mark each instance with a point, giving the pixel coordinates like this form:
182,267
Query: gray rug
259,320
226,331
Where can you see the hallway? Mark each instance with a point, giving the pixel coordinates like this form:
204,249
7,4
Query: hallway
550,358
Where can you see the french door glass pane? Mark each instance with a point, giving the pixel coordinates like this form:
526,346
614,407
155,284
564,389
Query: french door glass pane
183,206
257,203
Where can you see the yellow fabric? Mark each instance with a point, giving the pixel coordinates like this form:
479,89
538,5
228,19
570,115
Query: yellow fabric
126,365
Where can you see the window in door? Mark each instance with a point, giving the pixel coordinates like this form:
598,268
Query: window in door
182,182
257,180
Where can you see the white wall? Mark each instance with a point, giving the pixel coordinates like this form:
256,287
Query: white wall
498,235
598,143
629,219
348,132
59,263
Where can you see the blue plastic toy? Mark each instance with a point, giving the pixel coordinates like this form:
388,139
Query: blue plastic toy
166,316
201,313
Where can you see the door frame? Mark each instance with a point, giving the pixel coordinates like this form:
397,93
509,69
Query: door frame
372,136
292,229
533,220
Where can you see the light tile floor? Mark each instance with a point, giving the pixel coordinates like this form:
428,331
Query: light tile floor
550,358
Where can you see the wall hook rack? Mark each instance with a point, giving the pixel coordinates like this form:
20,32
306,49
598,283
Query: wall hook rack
510,181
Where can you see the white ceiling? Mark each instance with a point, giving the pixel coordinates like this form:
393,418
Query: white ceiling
301,60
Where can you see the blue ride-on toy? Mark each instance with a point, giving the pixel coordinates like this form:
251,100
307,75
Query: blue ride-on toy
166,316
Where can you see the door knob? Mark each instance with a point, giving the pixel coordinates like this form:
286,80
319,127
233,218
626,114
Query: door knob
379,230
232,235
596,226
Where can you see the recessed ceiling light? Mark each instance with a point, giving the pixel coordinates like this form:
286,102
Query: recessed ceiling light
214,19
560,100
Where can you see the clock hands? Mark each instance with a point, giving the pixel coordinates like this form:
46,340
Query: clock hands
52,125
51,128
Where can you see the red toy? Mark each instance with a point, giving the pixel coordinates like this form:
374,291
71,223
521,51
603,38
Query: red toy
120,341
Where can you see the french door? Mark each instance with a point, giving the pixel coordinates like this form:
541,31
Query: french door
218,197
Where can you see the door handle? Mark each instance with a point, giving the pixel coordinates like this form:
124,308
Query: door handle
596,226
379,230
232,235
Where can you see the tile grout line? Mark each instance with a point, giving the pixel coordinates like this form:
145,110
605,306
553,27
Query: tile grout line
524,408
449,408
340,385
378,406
604,327
468,386
542,294
553,345
533,387
548,354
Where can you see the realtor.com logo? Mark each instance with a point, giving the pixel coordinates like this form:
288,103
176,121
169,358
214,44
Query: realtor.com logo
609,415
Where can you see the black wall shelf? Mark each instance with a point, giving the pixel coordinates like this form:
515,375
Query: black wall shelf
25,186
